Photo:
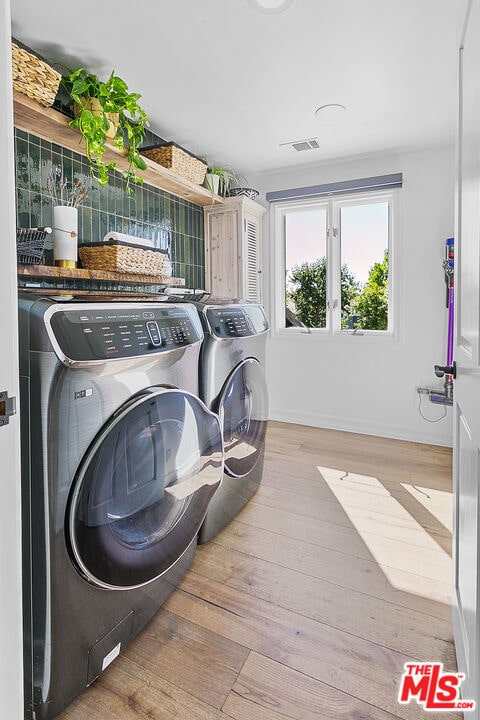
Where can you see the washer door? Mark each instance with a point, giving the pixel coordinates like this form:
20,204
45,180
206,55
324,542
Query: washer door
243,409
143,488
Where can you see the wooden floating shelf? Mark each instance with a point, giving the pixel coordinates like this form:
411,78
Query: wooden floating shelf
93,295
48,271
51,125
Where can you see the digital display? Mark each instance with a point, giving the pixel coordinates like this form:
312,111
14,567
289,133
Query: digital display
89,334
236,322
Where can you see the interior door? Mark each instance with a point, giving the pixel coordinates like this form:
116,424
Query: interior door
467,354
143,488
10,537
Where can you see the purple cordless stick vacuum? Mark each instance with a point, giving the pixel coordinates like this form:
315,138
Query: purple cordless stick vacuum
448,371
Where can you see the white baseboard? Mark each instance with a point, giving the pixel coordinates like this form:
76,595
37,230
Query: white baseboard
397,432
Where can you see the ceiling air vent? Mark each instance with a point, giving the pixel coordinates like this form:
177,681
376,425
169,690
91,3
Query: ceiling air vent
301,145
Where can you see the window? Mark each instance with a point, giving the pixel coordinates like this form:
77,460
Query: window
336,262
305,263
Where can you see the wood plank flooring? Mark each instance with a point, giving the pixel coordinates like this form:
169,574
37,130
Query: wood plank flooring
309,603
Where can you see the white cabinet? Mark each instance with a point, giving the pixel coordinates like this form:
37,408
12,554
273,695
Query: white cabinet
233,249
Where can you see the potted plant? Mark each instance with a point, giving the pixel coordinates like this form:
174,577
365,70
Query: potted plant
104,109
225,182
219,179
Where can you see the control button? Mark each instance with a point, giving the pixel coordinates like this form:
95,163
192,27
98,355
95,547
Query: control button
148,315
154,333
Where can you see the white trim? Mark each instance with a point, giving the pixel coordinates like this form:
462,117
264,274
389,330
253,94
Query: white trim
347,424
277,263
11,660
340,336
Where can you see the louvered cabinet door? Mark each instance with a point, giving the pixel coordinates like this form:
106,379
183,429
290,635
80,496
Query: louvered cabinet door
233,249
251,266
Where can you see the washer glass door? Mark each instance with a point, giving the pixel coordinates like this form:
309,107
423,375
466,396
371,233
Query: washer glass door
243,409
143,488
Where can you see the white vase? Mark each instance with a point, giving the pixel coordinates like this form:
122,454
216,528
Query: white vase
212,182
65,228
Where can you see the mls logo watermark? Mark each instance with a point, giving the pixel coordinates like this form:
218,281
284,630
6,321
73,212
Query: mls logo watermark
428,685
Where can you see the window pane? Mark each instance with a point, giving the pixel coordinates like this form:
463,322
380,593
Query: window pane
364,266
306,268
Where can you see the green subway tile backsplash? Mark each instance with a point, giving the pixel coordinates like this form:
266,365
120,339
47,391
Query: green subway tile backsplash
173,224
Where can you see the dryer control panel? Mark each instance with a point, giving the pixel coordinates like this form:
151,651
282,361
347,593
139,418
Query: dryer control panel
89,333
236,321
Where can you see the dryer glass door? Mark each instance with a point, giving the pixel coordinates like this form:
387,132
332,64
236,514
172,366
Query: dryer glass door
143,488
243,409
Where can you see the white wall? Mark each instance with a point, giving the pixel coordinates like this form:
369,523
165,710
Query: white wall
364,384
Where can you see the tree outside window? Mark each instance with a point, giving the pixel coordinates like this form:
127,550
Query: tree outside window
346,287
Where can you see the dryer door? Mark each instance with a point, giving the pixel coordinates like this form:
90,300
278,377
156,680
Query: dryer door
243,409
143,488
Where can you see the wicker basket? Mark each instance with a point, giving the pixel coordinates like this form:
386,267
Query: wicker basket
30,244
122,257
32,76
243,192
180,161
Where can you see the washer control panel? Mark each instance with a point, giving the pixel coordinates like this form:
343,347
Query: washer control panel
87,333
237,321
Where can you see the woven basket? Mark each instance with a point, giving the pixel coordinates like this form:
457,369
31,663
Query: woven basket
243,192
122,257
33,77
30,244
178,160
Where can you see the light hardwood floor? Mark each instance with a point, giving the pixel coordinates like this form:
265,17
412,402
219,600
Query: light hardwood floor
308,605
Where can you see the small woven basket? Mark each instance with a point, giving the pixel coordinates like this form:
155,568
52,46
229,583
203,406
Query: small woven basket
122,257
243,191
30,244
180,161
32,76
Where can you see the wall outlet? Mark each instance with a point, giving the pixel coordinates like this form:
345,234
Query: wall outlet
423,391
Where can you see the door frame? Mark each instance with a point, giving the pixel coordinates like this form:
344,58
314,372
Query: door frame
11,660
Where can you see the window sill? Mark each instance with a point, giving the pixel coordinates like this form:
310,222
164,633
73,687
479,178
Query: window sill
345,336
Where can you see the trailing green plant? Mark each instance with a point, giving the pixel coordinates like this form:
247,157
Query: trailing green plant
94,122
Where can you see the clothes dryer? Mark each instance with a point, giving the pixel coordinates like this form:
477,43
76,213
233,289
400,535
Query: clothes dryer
232,384
120,459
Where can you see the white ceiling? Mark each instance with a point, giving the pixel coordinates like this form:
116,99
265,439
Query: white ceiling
230,83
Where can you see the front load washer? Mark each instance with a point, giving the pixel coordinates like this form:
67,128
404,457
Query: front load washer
120,459
232,384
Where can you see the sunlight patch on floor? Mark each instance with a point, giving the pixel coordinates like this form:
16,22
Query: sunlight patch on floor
437,502
408,556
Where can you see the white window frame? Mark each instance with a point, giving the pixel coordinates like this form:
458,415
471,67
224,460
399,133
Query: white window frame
278,212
